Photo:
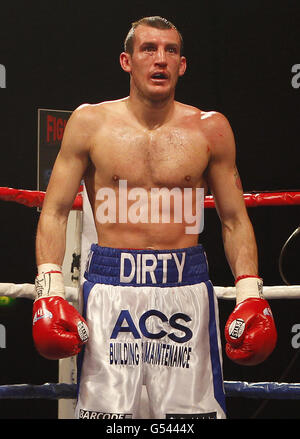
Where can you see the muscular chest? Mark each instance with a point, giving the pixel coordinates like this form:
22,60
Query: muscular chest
164,157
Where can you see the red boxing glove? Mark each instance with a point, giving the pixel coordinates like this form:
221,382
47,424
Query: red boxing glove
59,331
250,332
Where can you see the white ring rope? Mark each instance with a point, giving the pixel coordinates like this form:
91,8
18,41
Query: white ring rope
27,291
274,292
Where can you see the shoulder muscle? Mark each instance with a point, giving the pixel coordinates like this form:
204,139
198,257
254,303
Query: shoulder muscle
220,135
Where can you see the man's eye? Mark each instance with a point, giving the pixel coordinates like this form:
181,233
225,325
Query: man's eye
149,49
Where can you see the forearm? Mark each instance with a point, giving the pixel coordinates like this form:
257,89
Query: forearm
59,331
240,247
51,239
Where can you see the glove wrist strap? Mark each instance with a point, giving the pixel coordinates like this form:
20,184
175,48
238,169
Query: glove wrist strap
49,281
248,287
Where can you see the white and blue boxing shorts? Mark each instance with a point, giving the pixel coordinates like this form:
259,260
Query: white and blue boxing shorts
153,321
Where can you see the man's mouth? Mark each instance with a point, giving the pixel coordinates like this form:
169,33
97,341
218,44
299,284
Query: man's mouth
159,76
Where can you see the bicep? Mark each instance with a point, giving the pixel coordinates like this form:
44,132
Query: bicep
69,168
223,176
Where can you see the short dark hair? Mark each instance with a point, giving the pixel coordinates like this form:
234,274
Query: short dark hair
155,21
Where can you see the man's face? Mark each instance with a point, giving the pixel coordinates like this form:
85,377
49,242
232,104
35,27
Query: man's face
155,64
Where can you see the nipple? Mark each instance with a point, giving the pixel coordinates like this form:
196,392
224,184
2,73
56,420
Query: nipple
187,177
116,178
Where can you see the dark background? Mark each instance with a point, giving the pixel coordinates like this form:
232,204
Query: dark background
59,55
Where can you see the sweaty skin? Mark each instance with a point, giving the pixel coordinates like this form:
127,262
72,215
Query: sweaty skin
151,141
174,155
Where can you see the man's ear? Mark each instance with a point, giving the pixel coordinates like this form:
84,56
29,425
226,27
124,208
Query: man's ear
182,67
125,61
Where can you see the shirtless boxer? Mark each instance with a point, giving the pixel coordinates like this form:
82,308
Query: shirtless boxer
149,307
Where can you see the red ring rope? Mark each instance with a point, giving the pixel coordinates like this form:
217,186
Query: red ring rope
36,198
31,198
265,199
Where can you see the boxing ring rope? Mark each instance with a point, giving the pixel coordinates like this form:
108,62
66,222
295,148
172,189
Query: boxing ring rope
56,391
53,391
36,198
27,291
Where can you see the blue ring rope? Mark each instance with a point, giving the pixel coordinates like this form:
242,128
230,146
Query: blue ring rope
43,391
261,390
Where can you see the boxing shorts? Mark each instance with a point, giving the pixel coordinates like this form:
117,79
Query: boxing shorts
153,321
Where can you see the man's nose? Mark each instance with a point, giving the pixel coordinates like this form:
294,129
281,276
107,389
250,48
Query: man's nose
161,56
